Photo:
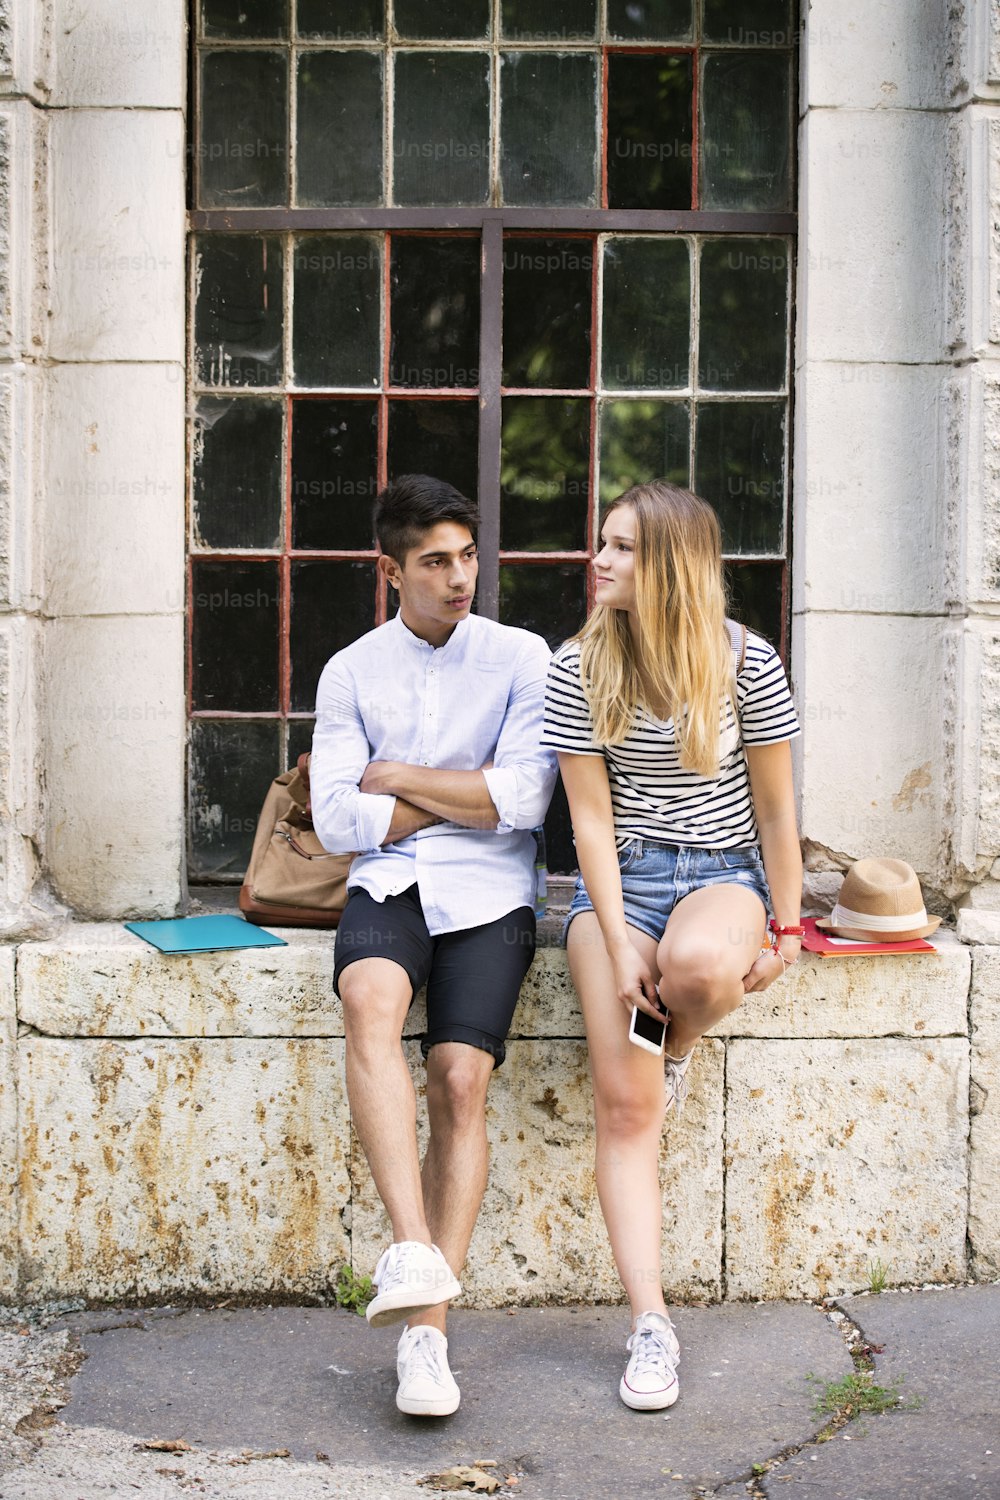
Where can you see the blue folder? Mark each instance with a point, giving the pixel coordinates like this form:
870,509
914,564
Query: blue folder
203,934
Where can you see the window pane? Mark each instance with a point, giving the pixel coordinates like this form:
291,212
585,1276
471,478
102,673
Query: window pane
339,130
547,288
300,734
237,321
649,131
441,131
740,464
334,469
554,21
434,311
560,851
754,591
231,764
650,20
436,20
234,650
335,339
548,128
243,153
647,314
640,441
745,153
245,18
743,335
332,604
544,473
440,438
549,600
340,20
749,23
237,473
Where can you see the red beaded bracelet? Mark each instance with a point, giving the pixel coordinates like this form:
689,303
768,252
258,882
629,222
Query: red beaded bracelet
786,931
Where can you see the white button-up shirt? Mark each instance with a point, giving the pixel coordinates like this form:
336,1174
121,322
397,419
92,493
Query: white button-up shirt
478,698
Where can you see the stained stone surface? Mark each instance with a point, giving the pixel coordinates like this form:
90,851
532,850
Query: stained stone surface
8,1127
195,1166
840,1153
984,1199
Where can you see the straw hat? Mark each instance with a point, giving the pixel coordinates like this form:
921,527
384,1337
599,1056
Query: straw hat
880,902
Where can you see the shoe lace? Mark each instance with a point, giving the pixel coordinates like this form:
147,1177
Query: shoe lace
423,1357
650,1351
387,1264
676,1081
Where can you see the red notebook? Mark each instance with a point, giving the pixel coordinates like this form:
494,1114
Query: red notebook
819,942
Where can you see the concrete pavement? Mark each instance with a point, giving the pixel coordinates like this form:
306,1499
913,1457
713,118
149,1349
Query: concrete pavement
244,1387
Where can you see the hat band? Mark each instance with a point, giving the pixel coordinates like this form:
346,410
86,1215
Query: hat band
842,916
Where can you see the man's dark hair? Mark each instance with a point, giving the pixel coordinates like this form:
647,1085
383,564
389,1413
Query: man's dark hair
410,505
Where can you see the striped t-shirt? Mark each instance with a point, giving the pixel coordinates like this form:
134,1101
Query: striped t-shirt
652,796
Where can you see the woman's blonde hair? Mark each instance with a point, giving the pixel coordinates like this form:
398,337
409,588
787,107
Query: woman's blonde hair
681,608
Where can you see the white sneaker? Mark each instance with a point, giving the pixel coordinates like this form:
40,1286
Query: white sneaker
410,1276
675,1078
426,1385
650,1379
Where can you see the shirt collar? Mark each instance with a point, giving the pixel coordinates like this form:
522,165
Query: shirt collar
452,643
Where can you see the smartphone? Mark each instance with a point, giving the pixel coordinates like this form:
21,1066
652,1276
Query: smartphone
646,1031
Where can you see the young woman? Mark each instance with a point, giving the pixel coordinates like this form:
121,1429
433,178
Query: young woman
684,820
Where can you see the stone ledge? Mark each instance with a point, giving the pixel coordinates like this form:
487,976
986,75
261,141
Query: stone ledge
97,979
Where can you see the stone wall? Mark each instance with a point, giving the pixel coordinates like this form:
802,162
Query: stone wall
182,1128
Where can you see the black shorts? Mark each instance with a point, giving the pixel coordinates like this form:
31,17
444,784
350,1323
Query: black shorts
473,976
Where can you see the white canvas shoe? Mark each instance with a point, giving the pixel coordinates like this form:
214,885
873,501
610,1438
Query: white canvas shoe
650,1379
410,1276
426,1385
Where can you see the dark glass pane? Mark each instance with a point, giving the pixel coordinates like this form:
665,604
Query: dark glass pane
300,734
647,314
340,20
244,18
640,441
549,600
560,852
754,592
438,20
332,604
237,473
234,651
739,468
339,129
548,126
745,154
436,437
334,469
554,21
546,312
231,763
649,131
335,324
434,311
742,336
749,23
544,473
650,20
441,130
243,153
237,320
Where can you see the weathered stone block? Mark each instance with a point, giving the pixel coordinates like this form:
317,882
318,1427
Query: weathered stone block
984,1201
8,1126
114,842
870,243
871,539
855,56
540,1232
869,692
99,980
149,1168
917,995
19,811
107,54
843,1152
117,235
114,508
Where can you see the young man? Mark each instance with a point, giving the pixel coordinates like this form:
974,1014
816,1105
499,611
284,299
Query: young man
426,759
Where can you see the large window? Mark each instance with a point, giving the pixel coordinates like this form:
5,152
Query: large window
541,250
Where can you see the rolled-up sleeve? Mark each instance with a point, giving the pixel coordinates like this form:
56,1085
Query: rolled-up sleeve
523,774
346,820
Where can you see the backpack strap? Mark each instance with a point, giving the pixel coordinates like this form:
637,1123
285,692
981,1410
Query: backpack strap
738,642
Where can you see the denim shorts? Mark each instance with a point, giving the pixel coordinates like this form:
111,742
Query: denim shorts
656,876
